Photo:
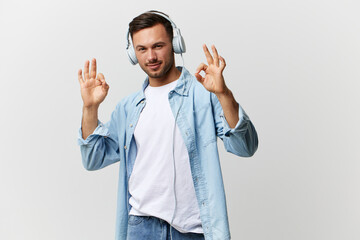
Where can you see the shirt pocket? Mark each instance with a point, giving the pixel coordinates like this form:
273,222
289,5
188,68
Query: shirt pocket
204,125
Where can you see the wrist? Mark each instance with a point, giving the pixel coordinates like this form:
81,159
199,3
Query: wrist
224,94
90,108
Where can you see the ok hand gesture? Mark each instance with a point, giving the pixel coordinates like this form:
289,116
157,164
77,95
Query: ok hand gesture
93,90
213,80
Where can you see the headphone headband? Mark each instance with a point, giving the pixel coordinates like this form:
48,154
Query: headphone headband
164,16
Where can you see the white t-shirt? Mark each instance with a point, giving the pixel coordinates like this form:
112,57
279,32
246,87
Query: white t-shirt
151,183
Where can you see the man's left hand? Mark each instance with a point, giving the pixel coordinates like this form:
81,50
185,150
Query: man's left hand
213,80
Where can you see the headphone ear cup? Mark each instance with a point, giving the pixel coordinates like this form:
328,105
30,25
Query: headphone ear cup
178,44
131,54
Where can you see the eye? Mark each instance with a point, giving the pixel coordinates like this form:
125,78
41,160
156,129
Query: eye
141,49
158,46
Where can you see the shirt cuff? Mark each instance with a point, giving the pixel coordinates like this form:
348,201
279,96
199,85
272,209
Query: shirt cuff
100,130
240,126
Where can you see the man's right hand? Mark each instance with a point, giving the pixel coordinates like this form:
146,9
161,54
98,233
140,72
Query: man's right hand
93,88
93,92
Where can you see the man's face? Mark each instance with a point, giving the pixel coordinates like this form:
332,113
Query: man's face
153,50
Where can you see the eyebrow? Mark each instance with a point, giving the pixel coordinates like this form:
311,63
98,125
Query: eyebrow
164,43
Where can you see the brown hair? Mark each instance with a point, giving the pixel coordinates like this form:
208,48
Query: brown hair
150,19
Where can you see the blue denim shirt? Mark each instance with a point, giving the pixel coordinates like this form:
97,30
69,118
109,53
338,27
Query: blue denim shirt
201,120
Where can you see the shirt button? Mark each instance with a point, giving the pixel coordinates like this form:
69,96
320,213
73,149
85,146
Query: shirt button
125,146
131,125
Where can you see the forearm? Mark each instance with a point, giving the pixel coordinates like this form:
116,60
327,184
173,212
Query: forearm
89,121
230,107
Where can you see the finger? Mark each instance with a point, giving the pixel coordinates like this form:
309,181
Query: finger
101,77
216,55
199,77
105,86
80,78
222,63
201,67
209,58
93,68
86,70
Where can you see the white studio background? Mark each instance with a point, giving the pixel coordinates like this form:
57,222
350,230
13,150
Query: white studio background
292,65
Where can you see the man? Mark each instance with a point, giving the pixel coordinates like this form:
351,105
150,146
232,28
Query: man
165,137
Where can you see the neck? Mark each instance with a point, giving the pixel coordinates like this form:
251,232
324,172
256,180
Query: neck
172,75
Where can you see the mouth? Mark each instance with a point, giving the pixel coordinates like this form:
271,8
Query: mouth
153,66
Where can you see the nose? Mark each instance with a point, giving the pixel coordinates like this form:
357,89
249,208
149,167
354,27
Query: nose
152,56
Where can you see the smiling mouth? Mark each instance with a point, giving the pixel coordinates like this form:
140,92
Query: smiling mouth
153,65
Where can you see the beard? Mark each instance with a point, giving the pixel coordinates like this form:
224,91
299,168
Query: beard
160,73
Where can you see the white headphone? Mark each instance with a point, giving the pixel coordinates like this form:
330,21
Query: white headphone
178,43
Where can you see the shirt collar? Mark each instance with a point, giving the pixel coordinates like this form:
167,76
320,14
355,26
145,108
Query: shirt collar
182,86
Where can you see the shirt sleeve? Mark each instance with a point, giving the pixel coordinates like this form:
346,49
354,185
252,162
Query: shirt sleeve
242,140
101,148
100,130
